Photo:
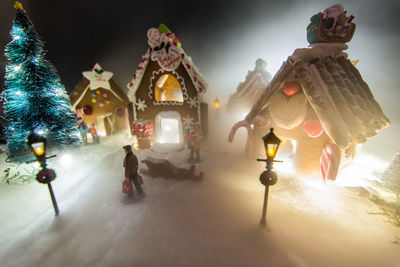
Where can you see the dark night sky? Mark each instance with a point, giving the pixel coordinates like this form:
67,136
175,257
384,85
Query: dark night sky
223,37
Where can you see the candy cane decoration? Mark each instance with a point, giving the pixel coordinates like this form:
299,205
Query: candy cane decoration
330,160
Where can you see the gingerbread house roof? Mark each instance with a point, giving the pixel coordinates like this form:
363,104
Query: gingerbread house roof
335,90
250,89
88,82
172,49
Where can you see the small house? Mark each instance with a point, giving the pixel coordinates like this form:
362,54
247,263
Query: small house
166,90
101,101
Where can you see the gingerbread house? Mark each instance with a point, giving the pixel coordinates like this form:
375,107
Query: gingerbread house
250,89
318,99
166,90
100,101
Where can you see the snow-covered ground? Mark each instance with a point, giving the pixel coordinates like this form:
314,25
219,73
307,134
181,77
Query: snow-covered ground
214,222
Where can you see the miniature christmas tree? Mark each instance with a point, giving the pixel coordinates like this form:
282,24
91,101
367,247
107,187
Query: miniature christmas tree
391,177
35,99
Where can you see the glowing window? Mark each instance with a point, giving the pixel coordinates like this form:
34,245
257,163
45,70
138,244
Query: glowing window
168,89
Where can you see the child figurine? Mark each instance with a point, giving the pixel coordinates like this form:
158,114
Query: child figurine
195,137
93,132
83,129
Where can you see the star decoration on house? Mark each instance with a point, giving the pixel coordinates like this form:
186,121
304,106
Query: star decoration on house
192,102
141,104
187,121
98,78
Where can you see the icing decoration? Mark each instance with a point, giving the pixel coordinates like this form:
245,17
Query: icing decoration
106,101
187,121
93,94
105,95
98,92
87,110
191,69
313,128
192,102
163,28
153,80
101,103
141,104
98,78
94,100
290,88
167,54
120,112
331,26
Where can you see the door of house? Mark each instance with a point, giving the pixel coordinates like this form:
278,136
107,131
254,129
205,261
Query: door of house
109,123
168,128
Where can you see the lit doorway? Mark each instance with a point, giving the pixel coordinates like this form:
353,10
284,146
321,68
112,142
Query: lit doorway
168,128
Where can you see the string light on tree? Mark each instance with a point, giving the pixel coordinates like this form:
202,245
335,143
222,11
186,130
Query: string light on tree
39,105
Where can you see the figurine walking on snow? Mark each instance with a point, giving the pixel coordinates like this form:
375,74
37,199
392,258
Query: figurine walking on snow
194,140
131,168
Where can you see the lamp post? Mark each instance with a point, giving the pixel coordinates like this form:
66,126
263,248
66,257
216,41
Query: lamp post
217,103
269,177
37,143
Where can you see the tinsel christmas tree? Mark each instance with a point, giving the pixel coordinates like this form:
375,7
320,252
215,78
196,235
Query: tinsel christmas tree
35,99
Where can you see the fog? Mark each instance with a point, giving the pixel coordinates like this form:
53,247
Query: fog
213,222
224,38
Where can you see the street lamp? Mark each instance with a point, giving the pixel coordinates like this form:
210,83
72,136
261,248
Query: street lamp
217,103
269,177
37,143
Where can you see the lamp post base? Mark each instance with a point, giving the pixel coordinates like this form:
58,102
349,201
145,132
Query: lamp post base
53,199
263,221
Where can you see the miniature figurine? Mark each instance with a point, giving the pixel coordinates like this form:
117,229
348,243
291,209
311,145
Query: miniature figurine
194,143
83,129
93,132
131,168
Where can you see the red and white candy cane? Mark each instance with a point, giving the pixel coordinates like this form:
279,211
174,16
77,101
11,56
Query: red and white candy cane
330,160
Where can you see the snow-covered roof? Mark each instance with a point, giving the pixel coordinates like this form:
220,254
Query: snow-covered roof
166,49
336,91
251,88
94,79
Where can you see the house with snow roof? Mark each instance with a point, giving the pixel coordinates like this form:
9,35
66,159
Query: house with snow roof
167,88
318,99
250,89
100,101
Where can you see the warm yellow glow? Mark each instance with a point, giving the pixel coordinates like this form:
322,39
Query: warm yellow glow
168,88
271,149
38,148
217,103
286,167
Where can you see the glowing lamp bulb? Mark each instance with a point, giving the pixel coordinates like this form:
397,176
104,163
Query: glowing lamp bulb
217,103
17,68
271,144
38,148
271,150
